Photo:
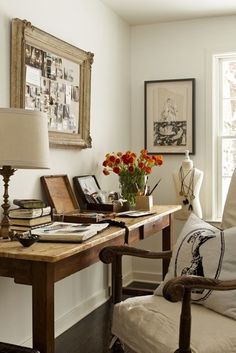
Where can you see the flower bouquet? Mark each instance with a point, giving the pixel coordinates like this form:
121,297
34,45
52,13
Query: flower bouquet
132,171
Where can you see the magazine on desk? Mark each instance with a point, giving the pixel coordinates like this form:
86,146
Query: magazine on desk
68,232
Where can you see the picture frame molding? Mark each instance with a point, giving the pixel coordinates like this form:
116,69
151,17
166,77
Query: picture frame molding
22,33
171,149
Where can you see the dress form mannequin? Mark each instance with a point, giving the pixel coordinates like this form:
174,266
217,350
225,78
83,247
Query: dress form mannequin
188,181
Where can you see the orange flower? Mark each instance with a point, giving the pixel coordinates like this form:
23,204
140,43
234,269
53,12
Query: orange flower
128,162
158,160
131,169
116,170
131,160
125,158
148,170
117,161
105,171
112,158
143,151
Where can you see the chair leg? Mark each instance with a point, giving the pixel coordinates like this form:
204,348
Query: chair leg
185,324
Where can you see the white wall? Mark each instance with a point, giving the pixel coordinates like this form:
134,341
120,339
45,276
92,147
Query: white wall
89,25
165,51
174,51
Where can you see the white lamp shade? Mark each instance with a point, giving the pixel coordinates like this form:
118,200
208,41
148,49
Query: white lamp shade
23,139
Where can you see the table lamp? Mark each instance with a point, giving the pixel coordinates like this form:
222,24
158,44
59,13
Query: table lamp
23,145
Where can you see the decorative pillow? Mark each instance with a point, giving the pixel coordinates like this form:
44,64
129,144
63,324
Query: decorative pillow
229,214
204,250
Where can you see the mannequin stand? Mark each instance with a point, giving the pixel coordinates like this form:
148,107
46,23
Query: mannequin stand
188,181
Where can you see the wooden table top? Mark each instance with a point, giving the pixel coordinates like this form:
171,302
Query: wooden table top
52,252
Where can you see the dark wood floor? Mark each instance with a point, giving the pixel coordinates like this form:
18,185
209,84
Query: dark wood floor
91,334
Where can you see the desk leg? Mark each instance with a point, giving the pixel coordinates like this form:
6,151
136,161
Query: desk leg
43,307
166,245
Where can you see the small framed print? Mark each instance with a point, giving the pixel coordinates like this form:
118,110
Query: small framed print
52,76
169,116
87,190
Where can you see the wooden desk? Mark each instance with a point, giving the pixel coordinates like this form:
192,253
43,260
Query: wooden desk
43,264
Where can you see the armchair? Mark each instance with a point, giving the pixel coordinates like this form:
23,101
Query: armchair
151,324
194,309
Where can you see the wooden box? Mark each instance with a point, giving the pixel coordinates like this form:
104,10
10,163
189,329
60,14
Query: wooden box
59,193
60,196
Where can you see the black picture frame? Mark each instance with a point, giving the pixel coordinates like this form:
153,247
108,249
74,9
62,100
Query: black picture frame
86,189
169,116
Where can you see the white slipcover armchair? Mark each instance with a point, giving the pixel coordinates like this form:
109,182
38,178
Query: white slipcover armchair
161,323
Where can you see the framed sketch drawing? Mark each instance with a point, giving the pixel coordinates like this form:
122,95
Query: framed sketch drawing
169,116
52,76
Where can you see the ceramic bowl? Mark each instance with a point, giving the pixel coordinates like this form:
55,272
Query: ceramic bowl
28,240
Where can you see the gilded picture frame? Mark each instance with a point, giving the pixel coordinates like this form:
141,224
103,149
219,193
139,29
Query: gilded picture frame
53,76
169,116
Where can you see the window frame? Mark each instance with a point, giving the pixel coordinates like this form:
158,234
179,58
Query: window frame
214,84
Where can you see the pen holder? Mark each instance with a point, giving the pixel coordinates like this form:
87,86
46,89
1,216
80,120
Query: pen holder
144,202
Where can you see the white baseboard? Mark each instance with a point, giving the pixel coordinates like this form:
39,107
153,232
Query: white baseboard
139,276
69,319
128,278
80,311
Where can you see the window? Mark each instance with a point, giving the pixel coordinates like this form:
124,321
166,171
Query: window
224,121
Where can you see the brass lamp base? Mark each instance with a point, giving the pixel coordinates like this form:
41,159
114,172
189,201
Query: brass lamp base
6,172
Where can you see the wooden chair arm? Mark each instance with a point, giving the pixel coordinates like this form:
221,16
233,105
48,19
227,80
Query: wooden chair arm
174,288
179,289
113,255
109,254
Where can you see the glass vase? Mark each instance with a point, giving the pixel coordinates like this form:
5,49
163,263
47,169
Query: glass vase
130,185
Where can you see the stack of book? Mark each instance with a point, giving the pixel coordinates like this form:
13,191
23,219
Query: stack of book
29,215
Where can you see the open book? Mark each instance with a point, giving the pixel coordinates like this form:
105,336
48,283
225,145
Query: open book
68,232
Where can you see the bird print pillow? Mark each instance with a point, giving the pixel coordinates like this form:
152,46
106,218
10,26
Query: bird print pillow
204,250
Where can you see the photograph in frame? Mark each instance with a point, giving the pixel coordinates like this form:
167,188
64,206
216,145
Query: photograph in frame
169,116
50,81
52,76
87,190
